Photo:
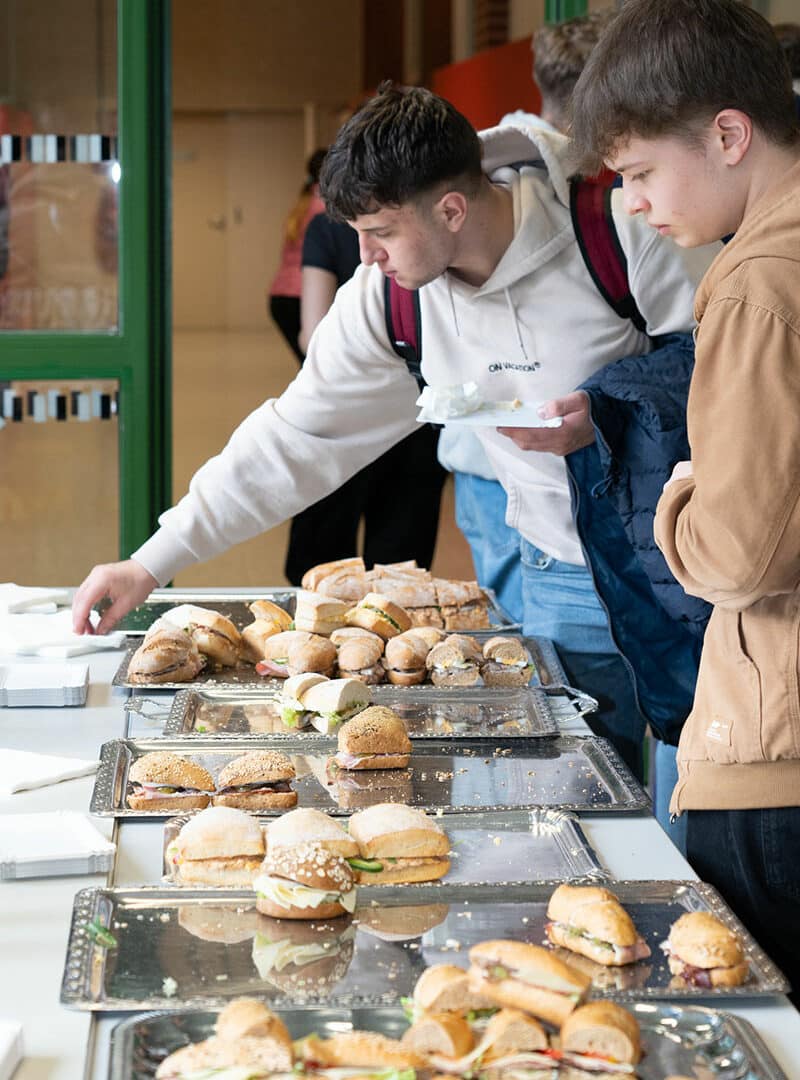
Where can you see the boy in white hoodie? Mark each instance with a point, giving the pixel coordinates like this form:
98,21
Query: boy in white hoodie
506,301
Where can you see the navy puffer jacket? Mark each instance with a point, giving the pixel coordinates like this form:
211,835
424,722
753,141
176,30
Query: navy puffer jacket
638,408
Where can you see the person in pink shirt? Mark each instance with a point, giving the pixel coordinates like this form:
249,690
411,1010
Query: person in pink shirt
287,285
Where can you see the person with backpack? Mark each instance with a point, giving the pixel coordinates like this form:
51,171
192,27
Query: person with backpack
482,227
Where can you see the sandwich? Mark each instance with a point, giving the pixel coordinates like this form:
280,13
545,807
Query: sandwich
431,635
250,1041
349,633
360,658
254,637
169,783
401,923
511,1043
444,988
301,958
454,662
258,780
306,825
442,1034
506,662
360,1050
590,920
219,846
374,739
605,1033
166,654
430,617
329,704
293,712
405,659
293,652
354,789
405,583
214,635
380,615
703,952
526,977
220,923
305,882
318,614
463,604
398,844
267,611
345,579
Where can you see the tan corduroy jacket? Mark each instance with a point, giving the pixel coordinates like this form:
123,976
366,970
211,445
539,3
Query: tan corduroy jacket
731,533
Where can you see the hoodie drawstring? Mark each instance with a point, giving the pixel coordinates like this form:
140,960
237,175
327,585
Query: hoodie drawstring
513,311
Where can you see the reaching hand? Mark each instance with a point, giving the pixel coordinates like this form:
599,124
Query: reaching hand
575,432
126,584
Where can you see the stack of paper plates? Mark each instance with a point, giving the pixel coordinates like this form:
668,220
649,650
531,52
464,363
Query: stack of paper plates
43,684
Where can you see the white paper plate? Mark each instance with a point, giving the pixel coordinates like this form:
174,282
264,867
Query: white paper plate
52,844
526,416
37,684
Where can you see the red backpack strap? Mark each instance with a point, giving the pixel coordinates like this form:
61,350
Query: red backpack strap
403,325
596,233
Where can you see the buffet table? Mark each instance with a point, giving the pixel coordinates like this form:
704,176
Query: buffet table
35,914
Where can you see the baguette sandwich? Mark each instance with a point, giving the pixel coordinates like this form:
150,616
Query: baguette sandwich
463,604
267,611
254,638
526,977
506,662
219,846
398,844
444,988
294,652
703,952
167,654
169,783
380,615
318,614
590,920
258,780
443,1034
305,882
511,1040
289,702
605,1034
360,1050
329,704
345,579
374,739
214,634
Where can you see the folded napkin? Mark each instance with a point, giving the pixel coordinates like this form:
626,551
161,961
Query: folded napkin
17,598
21,770
51,636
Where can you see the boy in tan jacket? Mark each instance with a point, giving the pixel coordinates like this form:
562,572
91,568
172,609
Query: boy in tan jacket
699,120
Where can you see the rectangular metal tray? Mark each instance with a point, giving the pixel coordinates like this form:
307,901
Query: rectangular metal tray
429,713
567,772
548,675
514,846
234,607
203,946
677,1039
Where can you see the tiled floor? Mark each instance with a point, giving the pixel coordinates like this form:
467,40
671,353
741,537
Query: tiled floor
218,378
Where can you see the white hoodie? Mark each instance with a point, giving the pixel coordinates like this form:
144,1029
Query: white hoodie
535,330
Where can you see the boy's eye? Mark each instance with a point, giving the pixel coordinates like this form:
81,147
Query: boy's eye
639,176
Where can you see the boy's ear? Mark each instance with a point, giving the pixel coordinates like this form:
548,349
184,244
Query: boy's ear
452,208
733,133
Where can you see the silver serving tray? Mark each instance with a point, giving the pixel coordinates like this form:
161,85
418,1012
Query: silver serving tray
493,848
568,772
234,607
548,675
677,1039
429,713
205,946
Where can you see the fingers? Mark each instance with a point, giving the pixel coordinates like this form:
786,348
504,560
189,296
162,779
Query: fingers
577,401
125,584
89,593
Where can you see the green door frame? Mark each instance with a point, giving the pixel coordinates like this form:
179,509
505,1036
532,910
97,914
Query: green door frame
556,11
139,354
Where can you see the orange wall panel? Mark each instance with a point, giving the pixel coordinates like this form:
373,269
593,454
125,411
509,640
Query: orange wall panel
491,83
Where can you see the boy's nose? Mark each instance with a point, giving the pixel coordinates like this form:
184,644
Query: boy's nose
368,250
633,203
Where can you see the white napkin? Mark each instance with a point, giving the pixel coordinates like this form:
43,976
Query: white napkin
11,1048
21,770
17,598
51,636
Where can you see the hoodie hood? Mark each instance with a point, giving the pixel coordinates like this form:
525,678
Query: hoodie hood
512,144
769,231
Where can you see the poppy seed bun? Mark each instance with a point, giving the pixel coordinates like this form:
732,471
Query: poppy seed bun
257,767
363,1049
444,988
700,940
166,655
246,1017
317,613
511,1031
379,736
309,865
254,637
602,1027
526,977
389,830
405,659
170,770
220,832
350,633
263,1056
380,615
304,825
360,658
445,1033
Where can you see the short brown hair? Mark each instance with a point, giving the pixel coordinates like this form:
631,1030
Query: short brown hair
668,68
788,34
560,52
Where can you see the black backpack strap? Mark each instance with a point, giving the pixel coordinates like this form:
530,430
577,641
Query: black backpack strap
596,233
403,325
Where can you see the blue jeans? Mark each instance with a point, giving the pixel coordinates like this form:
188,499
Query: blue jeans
481,516
753,858
665,777
560,603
